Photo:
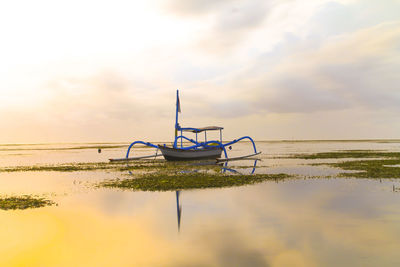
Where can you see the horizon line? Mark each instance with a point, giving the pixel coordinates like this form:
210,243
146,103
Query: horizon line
266,140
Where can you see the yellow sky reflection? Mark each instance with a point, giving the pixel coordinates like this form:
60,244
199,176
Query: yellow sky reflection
55,237
283,231
49,237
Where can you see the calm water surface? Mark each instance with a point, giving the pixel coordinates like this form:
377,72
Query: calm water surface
314,220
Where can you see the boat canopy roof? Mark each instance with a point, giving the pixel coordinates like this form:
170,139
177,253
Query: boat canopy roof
198,130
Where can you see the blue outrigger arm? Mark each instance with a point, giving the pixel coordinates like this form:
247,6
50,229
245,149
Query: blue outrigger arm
140,157
195,144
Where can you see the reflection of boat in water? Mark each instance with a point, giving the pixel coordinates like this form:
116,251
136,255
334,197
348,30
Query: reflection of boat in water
178,210
224,168
197,167
196,150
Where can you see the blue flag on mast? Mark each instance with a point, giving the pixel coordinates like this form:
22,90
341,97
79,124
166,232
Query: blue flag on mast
178,104
178,110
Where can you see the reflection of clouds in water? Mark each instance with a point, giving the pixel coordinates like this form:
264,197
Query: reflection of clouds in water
116,202
79,237
355,204
296,222
232,245
298,215
223,246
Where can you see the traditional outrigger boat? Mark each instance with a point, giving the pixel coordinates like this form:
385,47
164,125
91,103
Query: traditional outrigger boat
196,150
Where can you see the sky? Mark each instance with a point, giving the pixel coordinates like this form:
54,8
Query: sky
108,71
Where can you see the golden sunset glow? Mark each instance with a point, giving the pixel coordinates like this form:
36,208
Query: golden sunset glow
96,70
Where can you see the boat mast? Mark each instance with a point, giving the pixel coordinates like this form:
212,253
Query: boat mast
178,109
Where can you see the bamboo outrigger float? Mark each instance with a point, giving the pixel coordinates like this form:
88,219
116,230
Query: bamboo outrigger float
197,150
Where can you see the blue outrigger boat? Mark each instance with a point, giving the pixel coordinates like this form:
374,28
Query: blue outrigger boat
196,150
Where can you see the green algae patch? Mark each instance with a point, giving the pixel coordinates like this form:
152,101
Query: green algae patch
60,167
81,166
115,166
168,182
385,168
23,202
372,163
348,154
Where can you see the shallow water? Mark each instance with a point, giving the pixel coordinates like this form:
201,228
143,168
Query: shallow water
315,219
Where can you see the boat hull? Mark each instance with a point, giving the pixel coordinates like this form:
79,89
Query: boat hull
175,154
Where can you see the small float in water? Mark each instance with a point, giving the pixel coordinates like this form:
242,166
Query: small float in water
208,149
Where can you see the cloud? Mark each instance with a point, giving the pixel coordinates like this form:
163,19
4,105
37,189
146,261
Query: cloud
294,94
345,68
349,71
337,17
195,7
106,95
97,107
229,21
352,71
233,24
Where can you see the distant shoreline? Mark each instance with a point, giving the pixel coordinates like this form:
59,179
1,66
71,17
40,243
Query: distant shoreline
265,141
